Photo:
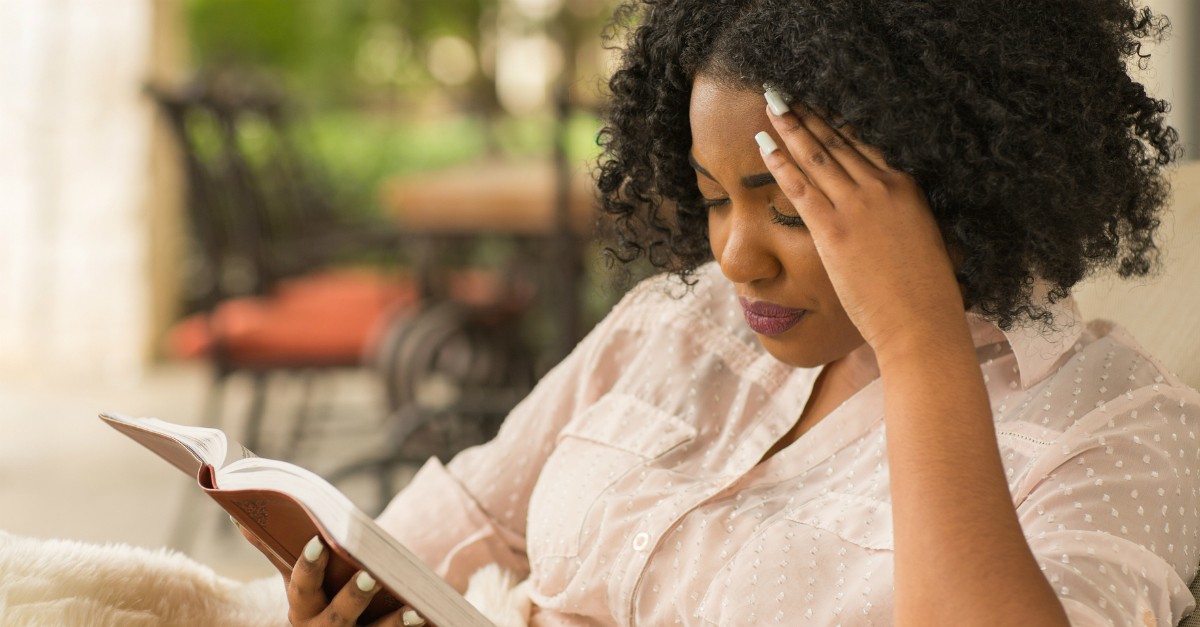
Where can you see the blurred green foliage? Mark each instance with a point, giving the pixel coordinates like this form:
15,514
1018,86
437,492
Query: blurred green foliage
314,45
355,127
360,151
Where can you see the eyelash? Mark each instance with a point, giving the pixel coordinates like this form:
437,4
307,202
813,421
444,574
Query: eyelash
786,220
776,218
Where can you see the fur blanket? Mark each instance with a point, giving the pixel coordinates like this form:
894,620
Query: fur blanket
61,582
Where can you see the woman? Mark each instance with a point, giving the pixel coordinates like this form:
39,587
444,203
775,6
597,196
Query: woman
876,404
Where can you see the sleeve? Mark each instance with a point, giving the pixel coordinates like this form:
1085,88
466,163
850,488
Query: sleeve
472,511
1113,519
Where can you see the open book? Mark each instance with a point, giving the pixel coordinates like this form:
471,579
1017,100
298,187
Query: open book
284,506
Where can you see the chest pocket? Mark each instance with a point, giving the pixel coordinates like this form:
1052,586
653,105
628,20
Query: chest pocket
617,436
822,549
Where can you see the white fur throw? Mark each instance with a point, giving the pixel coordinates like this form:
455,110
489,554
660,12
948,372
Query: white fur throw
61,582
498,596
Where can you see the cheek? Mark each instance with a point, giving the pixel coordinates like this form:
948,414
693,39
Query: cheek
835,335
803,264
830,335
820,280
825,297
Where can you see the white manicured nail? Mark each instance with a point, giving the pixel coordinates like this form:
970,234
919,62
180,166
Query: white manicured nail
365,582
766,145
314,549
411,618
775,101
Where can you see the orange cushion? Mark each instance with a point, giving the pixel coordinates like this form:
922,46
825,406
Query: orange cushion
324,319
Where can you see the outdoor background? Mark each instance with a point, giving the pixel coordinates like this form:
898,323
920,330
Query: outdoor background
98,258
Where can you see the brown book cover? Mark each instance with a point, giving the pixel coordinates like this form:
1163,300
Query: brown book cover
284,506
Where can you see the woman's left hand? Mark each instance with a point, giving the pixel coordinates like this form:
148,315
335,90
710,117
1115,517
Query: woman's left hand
872,227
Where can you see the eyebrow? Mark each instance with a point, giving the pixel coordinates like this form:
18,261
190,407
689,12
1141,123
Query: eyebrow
758,180
749,182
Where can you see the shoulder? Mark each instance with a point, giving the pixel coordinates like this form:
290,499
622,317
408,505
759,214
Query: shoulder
1102,460
1104,394
1108,390
1108,359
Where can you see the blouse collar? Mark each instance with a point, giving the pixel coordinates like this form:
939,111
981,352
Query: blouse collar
1037,350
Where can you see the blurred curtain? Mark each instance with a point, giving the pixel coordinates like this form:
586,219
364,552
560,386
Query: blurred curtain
1174,71
88,198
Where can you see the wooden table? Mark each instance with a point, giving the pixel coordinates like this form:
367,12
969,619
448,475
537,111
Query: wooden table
491,197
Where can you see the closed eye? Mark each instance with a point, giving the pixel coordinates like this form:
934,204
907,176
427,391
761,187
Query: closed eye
786,220
777,217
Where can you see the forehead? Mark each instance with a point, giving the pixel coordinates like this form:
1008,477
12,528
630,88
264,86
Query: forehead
724,121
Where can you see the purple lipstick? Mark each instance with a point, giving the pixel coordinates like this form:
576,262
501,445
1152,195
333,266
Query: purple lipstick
768,318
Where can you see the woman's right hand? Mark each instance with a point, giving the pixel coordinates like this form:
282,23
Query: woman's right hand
308,605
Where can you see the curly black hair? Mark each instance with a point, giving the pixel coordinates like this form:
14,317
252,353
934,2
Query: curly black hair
1039,154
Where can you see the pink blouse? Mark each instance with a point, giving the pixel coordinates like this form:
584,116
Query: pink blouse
627,485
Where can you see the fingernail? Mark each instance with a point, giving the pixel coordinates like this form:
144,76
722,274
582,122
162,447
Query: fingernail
365,582
766,145
314,549
775,101
234,521
411,618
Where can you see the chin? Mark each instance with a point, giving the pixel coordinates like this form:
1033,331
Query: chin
796,356
811,350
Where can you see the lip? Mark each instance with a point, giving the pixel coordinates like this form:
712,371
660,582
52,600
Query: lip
769,318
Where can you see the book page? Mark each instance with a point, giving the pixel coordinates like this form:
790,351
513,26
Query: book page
209,445
182,451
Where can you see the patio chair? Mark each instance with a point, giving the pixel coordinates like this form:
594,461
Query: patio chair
266,295
271,300
265,288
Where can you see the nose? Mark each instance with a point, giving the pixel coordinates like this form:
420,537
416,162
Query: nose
741,245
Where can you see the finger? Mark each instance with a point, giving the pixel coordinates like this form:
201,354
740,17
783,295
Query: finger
809,201
872,154
403,617
826,149
836,134
393,619
348,604
810,154
304,592
859,160
410,618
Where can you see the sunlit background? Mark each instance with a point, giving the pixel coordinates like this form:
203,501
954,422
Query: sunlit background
352,232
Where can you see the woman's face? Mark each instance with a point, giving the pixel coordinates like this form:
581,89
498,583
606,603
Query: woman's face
756,235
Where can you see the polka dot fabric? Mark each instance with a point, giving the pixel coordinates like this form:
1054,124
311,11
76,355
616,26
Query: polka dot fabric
628,485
